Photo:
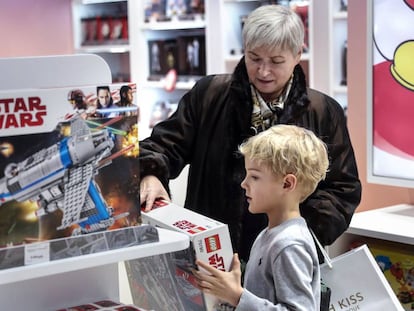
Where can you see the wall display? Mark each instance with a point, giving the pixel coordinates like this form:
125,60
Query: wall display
391,95
69,175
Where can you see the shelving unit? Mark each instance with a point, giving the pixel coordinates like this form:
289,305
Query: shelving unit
102,39
338,37
221,26
327,53
392,224
72,281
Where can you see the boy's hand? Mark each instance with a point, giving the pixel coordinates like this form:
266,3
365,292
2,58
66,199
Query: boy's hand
224,285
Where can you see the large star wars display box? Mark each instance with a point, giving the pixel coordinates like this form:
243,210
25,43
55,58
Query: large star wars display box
69,176
165,282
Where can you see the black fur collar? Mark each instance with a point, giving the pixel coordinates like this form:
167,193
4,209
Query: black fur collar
297,101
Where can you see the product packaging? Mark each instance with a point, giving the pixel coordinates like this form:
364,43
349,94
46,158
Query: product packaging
69,175
164,281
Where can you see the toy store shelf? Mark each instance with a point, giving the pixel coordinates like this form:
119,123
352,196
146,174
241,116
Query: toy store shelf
169,241
174,25
105,48
341,15
340,89
393,223
99,1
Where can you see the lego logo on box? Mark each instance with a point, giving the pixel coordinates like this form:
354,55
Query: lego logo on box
212,243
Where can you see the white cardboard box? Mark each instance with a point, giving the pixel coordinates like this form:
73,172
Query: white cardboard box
209,238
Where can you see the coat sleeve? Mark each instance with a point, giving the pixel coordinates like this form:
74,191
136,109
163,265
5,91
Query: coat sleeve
328,211
168,149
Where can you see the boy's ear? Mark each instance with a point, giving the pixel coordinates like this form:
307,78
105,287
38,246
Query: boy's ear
289,182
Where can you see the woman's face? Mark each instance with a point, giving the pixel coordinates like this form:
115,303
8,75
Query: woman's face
270,69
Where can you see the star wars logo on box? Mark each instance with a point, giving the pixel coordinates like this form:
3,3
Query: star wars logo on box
68,168
21,112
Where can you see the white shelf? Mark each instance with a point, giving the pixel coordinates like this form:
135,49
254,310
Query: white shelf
79,280
394,223
340,89
181,85
340,15
174,25
170,241
105,48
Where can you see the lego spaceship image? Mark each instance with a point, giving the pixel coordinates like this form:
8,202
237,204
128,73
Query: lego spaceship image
61,176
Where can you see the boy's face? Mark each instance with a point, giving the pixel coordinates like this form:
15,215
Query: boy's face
264,190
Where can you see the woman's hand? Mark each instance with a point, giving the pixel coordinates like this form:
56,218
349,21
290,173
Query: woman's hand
151,189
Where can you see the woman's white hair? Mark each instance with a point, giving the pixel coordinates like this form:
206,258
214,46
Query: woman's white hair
274,26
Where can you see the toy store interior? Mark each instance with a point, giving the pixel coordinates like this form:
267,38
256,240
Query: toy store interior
120,67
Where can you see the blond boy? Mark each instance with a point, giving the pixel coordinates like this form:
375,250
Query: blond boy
284,165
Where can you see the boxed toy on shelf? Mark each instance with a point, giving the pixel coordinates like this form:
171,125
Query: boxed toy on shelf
69,176
165,281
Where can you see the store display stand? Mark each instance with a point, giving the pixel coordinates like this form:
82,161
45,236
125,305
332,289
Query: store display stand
393,224
71,281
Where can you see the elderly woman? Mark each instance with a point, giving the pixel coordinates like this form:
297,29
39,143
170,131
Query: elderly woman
268,87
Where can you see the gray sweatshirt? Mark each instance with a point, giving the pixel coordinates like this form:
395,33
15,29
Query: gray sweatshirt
283,270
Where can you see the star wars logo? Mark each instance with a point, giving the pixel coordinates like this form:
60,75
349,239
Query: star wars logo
21,112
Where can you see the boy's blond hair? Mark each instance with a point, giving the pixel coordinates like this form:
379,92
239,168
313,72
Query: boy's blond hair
289,149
